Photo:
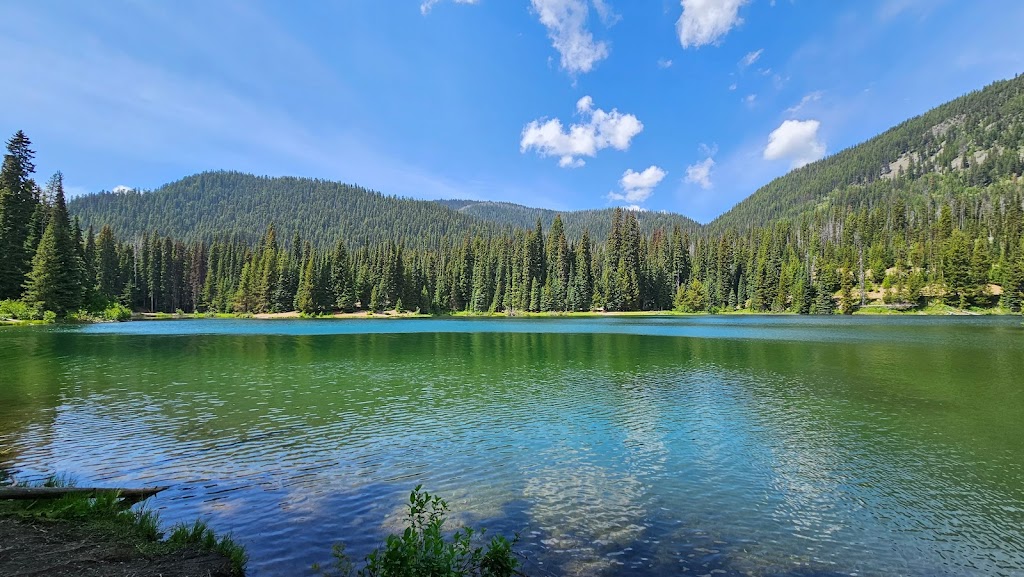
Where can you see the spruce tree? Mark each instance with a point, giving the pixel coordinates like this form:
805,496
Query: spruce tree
55,281
107,269
305,296
18,202
956,269
981,264
582,293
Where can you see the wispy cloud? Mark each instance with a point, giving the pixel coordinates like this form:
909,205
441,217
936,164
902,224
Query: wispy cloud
106,97
751,58
427,5
699,173
807,99
566,22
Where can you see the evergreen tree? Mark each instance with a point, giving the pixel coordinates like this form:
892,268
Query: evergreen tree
981,264
305,296
558,266
18,202
581,293
55,281
89,273
342,285
847,302
107,266
956,269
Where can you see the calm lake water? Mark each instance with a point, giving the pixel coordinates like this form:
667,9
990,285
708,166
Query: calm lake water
615,446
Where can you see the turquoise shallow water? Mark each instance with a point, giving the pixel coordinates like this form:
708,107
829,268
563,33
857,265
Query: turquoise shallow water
615,446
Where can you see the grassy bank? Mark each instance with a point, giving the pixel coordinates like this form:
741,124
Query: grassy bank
75,532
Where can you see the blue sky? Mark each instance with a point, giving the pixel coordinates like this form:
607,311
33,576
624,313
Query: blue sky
679,105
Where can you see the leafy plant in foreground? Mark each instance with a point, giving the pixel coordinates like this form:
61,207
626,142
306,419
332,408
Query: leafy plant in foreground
422,550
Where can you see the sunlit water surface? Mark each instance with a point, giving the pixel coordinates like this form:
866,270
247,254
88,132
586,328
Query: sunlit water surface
614,446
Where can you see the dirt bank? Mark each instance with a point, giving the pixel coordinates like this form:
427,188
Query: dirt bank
32,546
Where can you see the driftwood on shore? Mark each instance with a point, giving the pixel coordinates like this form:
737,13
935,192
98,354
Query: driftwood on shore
130,495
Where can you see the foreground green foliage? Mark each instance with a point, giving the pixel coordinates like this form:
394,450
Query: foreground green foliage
106,515
423,550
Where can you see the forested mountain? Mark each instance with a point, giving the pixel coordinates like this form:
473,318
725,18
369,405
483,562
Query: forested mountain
952,153
215,204
929,212
596,221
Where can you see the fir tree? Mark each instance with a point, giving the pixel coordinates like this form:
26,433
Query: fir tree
55,281
581,293
18,203
956,269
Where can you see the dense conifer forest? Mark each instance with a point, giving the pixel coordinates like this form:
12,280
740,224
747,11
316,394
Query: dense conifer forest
928,212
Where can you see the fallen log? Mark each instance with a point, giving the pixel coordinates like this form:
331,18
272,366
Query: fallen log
25,493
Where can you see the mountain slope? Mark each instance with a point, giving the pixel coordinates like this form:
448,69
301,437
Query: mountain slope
210,204
978,138
597,221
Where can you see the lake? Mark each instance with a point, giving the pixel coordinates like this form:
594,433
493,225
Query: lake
723,445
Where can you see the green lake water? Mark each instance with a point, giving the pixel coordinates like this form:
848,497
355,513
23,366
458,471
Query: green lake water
646,446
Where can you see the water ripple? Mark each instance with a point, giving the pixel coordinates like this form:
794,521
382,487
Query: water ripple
624,452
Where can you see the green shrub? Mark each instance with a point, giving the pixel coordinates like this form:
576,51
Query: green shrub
13,309
117,312
49,317
79,316
422,549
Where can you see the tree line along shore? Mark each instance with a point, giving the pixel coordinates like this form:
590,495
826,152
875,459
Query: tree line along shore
944,251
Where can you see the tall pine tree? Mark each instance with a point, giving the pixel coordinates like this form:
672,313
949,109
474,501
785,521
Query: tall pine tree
55,281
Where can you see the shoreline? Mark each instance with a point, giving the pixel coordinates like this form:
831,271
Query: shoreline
99,535
868,310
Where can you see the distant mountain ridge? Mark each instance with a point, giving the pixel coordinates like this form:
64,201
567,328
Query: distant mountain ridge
216,204
597,221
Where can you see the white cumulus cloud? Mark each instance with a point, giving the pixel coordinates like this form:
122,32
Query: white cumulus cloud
796,140
664,63
705,21
121,189
566,21
636,186
597,130
428,4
